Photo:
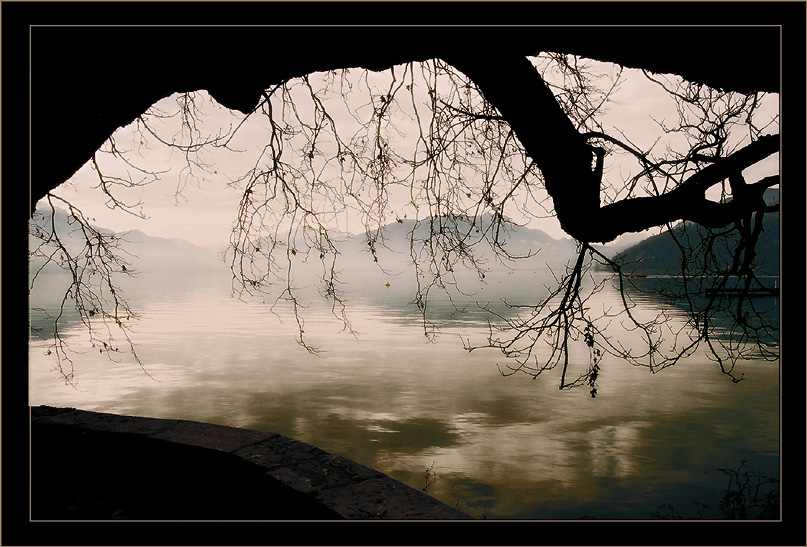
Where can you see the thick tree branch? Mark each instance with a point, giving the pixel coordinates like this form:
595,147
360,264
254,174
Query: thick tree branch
688,201
514,87
61,53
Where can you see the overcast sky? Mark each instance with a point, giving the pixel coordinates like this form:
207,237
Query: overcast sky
207,215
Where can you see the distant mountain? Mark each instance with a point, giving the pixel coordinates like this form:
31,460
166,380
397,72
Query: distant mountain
625,241
661,255
396,242
157,255
148,253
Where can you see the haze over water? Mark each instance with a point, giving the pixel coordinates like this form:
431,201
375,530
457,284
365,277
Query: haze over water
429,413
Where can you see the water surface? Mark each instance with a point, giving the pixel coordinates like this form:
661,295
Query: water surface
425,411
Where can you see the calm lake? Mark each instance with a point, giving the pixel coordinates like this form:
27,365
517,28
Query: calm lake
429,413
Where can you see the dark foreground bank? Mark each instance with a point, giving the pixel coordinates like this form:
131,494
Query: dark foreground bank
98,475
95,466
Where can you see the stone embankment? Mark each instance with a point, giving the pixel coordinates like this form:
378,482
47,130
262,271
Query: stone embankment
90,465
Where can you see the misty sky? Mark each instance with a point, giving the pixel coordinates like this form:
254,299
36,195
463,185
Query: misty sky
207,207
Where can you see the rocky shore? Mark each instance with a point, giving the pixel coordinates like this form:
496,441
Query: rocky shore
97,466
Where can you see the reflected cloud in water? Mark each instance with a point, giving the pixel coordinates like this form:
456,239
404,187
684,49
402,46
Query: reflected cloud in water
500,447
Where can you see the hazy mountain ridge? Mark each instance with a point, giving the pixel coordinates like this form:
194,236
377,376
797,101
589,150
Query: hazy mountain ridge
157,254
392,246
143,252
396,242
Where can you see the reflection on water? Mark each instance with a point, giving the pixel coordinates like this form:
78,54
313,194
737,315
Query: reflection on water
427,412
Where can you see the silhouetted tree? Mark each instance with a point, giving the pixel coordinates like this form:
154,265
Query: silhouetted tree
466,134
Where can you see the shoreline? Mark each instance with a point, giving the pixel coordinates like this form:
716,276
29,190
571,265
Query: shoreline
98,466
